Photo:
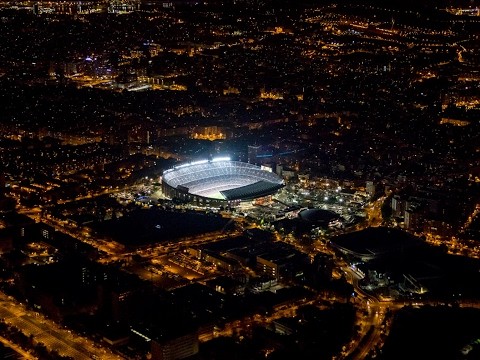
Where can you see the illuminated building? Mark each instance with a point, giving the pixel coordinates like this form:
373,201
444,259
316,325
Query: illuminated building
219,182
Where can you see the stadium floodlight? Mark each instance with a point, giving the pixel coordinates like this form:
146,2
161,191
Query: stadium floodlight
200,162
226,158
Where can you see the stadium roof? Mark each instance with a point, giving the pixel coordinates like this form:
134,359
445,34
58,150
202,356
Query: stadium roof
258,189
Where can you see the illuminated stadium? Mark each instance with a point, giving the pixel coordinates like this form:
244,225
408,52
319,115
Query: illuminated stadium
220,181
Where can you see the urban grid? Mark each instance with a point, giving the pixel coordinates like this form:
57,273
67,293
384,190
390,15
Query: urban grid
240,179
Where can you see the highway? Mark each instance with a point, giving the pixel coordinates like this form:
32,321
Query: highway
17,349
45,331
370,325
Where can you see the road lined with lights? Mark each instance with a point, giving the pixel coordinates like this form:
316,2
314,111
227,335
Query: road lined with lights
17,349
45,331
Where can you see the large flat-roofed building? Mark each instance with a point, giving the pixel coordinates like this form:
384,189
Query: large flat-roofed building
371,243
175,348
282,261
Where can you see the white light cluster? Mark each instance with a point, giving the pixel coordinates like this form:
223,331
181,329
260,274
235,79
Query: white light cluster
200,162
221,159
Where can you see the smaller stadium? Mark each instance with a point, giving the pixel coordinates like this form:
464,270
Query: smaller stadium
219,182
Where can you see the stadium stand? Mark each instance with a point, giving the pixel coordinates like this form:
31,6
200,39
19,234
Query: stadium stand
224,179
